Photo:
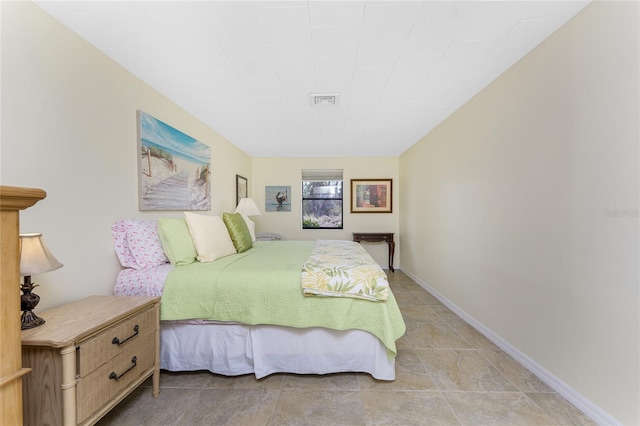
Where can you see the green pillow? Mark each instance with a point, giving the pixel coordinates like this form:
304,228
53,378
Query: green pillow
238,231
176,241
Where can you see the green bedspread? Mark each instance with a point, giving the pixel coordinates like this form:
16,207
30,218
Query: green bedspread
262,286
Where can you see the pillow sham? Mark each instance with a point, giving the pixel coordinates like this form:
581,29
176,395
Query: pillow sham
210,236
238,231
176,241
251,225
137,243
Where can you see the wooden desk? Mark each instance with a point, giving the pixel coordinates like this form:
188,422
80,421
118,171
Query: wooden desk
375,237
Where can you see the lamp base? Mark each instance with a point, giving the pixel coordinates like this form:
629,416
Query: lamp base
29,301
30,320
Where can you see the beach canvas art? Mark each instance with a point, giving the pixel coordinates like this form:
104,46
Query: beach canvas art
277,199
173,168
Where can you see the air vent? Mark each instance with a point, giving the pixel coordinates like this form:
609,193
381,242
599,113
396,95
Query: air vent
324,99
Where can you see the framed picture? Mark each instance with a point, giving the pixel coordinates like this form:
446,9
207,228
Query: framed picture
277,198
242,191
173,168
371,195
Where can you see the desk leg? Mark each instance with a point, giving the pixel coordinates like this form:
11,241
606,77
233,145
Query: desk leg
392,250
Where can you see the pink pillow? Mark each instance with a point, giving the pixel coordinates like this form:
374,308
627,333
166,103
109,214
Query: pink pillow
137,243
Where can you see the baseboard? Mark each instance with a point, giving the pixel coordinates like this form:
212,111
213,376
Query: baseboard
594,412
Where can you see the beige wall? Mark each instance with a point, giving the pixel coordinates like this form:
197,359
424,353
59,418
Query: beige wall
519,208
287,171
69,127
522,208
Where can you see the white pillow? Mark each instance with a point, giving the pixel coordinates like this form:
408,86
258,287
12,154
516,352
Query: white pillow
251,225
210,236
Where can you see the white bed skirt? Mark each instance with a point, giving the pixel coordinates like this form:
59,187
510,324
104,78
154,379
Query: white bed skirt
235,349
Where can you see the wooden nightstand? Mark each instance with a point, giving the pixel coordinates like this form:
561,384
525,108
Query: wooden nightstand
88,356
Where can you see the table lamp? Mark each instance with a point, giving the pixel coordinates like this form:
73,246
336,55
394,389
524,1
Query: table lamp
35,258
247,207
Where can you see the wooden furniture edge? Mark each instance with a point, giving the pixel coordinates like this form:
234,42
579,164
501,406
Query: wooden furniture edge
30,338
17,198
15,375
12,200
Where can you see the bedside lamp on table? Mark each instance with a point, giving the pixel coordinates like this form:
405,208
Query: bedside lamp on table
247,207
35,258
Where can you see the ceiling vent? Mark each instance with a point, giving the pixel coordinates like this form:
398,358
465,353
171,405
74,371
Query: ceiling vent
324,99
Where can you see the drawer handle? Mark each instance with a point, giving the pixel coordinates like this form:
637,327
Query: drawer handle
114,376
117,341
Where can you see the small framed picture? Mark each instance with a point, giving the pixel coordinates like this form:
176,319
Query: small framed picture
242,185
371,195
277,199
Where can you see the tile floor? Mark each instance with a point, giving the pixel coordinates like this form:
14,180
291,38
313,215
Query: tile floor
446,373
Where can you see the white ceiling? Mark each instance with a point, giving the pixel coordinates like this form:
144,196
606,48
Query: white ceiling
246,69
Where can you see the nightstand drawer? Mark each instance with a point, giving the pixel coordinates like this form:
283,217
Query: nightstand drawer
113,341
98,387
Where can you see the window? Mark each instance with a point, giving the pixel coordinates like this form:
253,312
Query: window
322,199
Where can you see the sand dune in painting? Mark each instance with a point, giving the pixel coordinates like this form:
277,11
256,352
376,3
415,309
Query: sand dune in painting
175,185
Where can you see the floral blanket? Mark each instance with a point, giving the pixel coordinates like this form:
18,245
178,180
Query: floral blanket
343,269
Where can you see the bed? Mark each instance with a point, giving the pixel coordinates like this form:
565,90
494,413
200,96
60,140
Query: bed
260,311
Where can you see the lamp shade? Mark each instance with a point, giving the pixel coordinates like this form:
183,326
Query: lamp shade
35,257
247,207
